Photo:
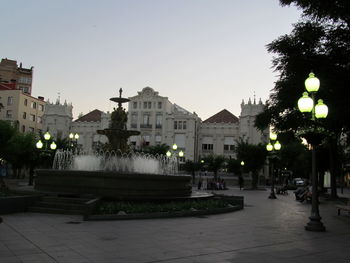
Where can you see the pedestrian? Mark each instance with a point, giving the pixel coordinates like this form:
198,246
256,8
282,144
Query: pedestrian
200,181
241,182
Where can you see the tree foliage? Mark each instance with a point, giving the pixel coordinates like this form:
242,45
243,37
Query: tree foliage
254,157
319,43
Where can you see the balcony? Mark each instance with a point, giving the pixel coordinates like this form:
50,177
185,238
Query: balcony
146,126
158,126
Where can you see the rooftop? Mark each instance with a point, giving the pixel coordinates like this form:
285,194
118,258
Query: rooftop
93,116
223,116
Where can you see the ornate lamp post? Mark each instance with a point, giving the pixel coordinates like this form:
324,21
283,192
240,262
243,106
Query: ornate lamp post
306,104
73,141
272,147
47,137
175,153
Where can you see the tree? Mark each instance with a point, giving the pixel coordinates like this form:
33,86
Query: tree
214,163
321,43
234,166
254,158
192,167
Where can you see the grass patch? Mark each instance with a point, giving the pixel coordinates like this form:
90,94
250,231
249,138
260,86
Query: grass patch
114,207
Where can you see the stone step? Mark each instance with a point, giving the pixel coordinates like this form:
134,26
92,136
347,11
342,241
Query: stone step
67,200
60,205
54,211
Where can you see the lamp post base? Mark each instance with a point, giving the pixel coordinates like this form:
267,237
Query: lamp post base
315,224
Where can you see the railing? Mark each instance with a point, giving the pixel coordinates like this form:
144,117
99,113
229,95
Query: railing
148,126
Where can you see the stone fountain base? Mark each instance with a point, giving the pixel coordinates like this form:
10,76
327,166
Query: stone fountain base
114,185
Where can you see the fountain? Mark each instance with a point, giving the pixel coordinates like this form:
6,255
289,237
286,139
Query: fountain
118,173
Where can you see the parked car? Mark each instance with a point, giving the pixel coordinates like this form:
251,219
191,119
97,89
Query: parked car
299,181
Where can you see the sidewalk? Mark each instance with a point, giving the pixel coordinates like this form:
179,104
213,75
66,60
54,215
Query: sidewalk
265,231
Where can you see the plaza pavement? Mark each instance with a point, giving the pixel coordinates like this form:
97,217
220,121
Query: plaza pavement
265,231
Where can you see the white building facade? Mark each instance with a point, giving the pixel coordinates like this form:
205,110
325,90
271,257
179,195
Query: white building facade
162,122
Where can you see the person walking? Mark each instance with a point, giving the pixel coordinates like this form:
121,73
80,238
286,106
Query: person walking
240,182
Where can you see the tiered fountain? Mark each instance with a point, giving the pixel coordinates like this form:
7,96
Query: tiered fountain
118,173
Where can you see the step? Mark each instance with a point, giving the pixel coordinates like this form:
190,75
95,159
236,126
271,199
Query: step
67,200
66,206
54,211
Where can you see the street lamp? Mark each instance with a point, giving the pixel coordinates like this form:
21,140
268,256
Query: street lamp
319,111
47,136
272,147
175,153
73,140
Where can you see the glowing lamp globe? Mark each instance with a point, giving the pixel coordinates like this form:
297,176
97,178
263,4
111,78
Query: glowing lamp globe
71,135
242,163
305,103
269,147
168,153
273,136
321,110
277,146
47,136
76,136
181,154
174,147
53,146
312,84
39,144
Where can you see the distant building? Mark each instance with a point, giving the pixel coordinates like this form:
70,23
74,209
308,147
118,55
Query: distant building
57,119
218,134
10,72
162,122
247,129
21,109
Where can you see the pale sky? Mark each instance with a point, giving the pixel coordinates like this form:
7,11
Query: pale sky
204,55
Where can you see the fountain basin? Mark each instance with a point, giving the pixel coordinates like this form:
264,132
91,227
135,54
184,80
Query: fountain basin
109,184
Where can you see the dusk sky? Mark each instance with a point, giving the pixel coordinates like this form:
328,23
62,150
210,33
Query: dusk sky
204,55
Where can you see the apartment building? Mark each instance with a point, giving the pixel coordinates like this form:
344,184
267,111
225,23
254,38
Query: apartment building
22,78
21,109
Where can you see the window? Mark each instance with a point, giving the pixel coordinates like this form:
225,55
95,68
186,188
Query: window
149,105
145,104
32,117
25,102
134,121
39,119
146,119
25,80
180,125
135,104
23,128
159,104
41,107
24,89
33,105
9,114
10,100
229,144
24,115
159,121
207,147
229,147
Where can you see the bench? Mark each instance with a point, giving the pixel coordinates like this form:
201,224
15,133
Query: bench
343,207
